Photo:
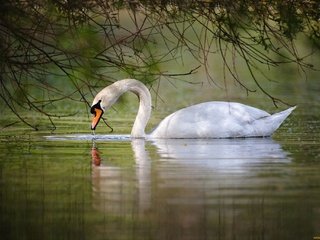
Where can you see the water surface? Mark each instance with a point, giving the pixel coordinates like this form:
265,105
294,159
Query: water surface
83,186
76,185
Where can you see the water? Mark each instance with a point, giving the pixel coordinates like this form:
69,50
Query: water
83,186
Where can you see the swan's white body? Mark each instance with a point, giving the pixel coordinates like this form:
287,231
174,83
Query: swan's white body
219,120
204,120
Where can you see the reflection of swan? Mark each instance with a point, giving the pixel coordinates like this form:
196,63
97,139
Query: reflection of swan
112,188
205,120
252,148
95,155
143,172
189,170
218,170
220,153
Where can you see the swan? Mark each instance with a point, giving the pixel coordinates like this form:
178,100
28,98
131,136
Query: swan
205,120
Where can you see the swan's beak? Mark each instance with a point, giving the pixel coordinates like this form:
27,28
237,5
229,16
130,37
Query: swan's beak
97,116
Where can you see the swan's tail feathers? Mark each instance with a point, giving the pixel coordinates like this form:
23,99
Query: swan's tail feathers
281,116
275,120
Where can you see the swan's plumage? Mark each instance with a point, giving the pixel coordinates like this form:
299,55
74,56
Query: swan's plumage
219,120
204,120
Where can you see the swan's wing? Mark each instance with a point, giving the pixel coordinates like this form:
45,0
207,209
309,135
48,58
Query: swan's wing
239,112
210,119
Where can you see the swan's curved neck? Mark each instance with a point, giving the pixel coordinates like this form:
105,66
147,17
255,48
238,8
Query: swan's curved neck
144,112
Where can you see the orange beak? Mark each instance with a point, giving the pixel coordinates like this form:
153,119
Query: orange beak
96,118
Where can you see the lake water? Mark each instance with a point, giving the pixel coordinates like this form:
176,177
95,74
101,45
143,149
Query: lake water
75,185
80,186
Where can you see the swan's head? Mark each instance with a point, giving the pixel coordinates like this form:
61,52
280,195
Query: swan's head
102,102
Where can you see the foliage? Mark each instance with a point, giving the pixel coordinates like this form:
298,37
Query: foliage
62,50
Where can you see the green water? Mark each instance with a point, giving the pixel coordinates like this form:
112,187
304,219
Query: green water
115,188
67,185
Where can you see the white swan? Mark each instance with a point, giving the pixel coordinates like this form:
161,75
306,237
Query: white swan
204,120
